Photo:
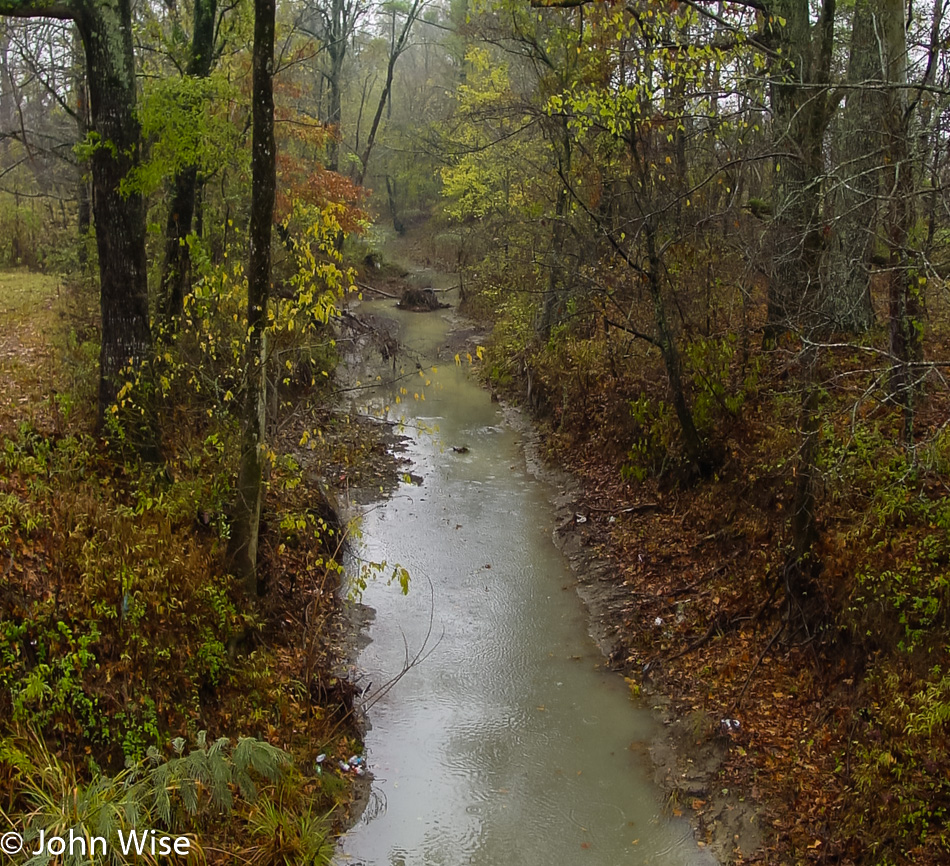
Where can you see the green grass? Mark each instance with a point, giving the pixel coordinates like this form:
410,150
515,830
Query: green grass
29,305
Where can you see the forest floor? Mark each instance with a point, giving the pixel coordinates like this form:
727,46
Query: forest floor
27,313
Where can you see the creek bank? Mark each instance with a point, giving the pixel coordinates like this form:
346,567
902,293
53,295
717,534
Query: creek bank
348,459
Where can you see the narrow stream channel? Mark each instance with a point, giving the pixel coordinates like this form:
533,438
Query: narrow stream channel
509,745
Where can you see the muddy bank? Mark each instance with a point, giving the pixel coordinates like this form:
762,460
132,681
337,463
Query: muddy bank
687,756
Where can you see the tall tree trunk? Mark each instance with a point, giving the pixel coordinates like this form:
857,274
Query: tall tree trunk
250,485
796,302
397,46
176,271
7,93
903,291
805,605
391,188
696,449
336,49
558,285
82,129
106,30
847,273
799,107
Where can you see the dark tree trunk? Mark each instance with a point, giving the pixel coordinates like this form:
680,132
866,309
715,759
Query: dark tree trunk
250,486
339,25
855,194
176,271
558,285
805,604
200,209
398,226
106,31
799,106
903,291
397,46
696,450
797,302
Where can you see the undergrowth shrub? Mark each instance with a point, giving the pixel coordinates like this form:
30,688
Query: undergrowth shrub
719,386
887,564
33,235
248,786
652,439
899,760
112,576
123,626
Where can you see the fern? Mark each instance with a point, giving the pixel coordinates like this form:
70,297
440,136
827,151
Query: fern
152,792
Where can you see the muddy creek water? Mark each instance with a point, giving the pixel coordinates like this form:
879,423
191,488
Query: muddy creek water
509,745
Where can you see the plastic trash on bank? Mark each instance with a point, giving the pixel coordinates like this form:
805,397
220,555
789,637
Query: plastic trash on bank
356,764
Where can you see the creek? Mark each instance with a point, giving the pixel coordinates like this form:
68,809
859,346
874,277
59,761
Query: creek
509,743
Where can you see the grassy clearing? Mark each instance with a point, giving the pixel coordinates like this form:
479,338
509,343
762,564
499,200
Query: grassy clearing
28,315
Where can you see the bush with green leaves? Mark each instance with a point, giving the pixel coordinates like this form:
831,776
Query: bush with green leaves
121,627
900,749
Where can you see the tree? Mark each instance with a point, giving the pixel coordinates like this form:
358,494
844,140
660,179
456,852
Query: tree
82,125
855,183
106,31
335,23
176,271
801,110
37,132
903,287
397,45
627,119
250,486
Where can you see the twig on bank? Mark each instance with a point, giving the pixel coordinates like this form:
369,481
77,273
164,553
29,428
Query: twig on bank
755,667
626,509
